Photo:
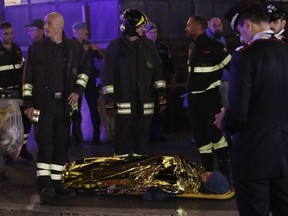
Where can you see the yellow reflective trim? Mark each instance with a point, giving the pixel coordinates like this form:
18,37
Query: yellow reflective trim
27,93
124,111
6,67
123,105
82,83
43,173
213,85
160,84
189,69
43,166
148,105
56,176
108,89
28,86
206,148
221,143
213,68
36,112
57,167
83,77
148,111
141,21
17,66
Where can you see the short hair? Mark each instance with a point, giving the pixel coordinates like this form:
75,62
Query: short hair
5,25
201,20
255,14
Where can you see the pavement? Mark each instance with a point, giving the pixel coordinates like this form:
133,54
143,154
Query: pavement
19,197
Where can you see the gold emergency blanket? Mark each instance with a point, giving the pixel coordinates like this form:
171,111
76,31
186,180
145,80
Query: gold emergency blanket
11,126
119,175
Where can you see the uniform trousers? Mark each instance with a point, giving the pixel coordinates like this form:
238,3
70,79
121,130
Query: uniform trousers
202,109
258,197
131,134
52,136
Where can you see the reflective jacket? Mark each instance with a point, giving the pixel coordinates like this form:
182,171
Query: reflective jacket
205,64
11,71
38,74
132,76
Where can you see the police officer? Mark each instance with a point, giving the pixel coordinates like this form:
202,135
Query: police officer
130,75
80,33
257,113
11,63
151,33
206,60
56,74
278,21
35,30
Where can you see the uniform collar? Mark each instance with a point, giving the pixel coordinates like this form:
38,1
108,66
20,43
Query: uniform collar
263,35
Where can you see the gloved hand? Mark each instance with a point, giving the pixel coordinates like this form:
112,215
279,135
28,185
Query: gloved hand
162,104
110,109
185,100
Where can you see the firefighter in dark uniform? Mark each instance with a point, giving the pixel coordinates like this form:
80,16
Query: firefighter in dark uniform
257,114
11,68
151,33
80,33
207,58
131,74
56,74
277,16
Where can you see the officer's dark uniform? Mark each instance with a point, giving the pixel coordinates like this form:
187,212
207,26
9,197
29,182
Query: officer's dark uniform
205,69
257,117
131,73
11,72
52,72
92,94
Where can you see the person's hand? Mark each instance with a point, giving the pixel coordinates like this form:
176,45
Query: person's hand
219,118
185,100
73,99
29,113
110,109
94,47
86,47
162,104
18,150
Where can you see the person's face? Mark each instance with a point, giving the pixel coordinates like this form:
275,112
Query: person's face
6,35
277,25
216,26
35,33
141,30
245,32
81,33
152,34
52,26
191,29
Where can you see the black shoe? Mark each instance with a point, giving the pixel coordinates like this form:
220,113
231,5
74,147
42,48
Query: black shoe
25,154
8,159
3,177
47,194
65,193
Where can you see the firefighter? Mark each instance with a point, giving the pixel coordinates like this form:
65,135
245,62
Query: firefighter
131,78
56,74
207,58
11,68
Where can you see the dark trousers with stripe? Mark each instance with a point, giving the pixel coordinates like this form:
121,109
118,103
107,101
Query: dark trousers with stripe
52,136
131,134
26,124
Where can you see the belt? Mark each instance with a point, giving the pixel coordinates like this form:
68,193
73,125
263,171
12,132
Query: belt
10,94
56,95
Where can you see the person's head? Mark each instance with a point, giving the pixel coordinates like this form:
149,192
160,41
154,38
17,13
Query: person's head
247,19
151,31
133,23
6,33
195,26
53,26
80,30
35,29
277,18
214,183
216,27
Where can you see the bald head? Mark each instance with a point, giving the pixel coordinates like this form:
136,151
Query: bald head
53,26
215,26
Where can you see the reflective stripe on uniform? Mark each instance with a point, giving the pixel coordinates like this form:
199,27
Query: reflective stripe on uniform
56,167
82,80
56,176
108,89
43,173
10,67
43,166
206,148
160,84
123,108
36,114
214,68
221,143
27,89
213,85
148,108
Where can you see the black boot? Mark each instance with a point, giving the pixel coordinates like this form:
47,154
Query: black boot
47,194
25,154
8,159
65,193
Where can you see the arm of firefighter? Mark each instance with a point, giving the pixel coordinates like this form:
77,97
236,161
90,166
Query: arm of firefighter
159,80
73,99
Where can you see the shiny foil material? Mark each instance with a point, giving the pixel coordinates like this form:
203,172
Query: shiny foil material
119,175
